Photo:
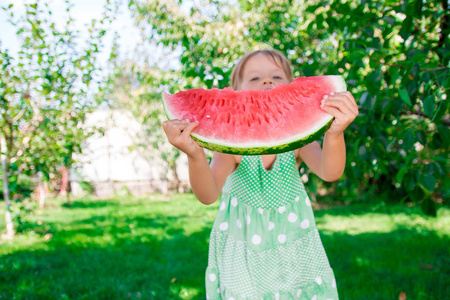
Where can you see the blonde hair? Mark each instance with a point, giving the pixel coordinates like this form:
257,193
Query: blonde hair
278,57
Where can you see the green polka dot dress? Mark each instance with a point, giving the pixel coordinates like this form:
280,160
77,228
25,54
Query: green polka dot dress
264,243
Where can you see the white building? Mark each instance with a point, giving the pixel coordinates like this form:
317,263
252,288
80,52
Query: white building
112,163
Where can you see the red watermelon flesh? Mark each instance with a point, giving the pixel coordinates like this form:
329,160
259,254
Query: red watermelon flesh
257,122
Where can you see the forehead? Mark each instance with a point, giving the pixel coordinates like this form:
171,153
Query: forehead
261,62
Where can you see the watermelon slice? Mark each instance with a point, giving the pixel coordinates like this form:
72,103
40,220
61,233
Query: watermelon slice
246,122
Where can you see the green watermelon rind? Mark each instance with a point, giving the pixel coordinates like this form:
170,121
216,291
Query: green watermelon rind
283,147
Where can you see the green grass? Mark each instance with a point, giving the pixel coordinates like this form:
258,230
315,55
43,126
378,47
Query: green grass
151,248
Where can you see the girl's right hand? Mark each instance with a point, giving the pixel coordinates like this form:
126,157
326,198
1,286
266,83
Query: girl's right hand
178,133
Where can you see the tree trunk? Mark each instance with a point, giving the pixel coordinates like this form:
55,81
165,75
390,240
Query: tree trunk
43,191
5,167
64,172
65,184
178,186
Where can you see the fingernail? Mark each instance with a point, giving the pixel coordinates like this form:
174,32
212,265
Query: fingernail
332,93
325,97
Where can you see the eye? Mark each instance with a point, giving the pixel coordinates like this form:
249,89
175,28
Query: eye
254,79
277,77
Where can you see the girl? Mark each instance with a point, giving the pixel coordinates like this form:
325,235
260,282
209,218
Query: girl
264,243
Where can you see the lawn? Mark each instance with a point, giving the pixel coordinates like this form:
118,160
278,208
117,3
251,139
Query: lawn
156,248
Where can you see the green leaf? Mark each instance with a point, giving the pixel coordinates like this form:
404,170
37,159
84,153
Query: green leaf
429,105
442,108
356,54
439,169
405,168
418,8
408,140
404,96
444,133
409,182
427,182
401,173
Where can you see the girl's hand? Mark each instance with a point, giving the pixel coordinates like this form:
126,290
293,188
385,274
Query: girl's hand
342,106
178,133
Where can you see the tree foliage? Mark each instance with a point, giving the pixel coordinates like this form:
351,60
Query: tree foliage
136,86
44,94
394,56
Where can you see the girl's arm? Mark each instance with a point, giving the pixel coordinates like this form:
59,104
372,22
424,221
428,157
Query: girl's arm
206,180
328,162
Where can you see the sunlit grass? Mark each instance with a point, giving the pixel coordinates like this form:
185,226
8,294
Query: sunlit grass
156,248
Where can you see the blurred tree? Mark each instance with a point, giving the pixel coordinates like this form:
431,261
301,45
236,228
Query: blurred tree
45,96
397,55
394,56
136,86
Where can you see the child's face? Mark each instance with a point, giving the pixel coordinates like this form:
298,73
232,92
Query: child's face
261,72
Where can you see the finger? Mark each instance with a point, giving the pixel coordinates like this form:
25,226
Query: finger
345,105
347,99
336,113
186,131
345,96
178,124
337,103
174,131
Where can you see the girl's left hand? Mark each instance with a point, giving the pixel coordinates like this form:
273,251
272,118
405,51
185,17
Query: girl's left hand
342,106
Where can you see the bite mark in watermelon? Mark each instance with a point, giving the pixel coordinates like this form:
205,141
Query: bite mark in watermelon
245,122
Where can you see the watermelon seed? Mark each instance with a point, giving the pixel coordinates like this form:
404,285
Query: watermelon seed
208,116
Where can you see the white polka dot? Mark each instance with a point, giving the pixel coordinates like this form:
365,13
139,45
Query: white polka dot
296,200
223,226
260,210
218,291
223,205
234,202
256,239
319,280
299,292
277,296
292,217
281,209
212,277
247,217
238,223
307,202
314,297
231,298
282,238
271,226
333,284
304,224
207,297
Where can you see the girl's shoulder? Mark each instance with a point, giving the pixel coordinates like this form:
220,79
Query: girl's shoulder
226,161
298,157
227,157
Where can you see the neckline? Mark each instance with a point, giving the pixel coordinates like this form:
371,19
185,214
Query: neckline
264,167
